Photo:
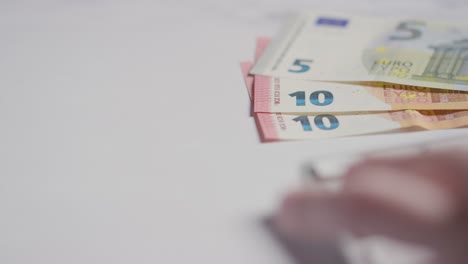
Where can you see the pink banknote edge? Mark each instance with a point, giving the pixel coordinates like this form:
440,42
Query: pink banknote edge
267,128
261,44
246,66
262,93
264,122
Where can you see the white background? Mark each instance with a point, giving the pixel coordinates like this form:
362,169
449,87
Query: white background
125,135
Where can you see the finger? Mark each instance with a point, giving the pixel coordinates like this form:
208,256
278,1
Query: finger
449,170
432,197
379,204
446,168
311,215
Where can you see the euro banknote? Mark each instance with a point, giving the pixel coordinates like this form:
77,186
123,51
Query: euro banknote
302,96
299,96
347,48
279,126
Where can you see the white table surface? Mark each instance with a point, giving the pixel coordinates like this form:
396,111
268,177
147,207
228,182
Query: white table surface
125,135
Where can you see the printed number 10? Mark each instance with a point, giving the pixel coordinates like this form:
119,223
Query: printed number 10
327,98
319,122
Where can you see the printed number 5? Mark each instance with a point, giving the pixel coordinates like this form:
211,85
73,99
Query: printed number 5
408,30
300,66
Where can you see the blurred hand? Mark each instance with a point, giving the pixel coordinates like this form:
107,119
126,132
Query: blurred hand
422,200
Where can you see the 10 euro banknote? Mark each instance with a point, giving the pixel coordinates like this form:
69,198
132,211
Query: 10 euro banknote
279,126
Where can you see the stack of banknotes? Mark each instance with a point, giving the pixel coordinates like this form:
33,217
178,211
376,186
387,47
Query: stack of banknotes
332,75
